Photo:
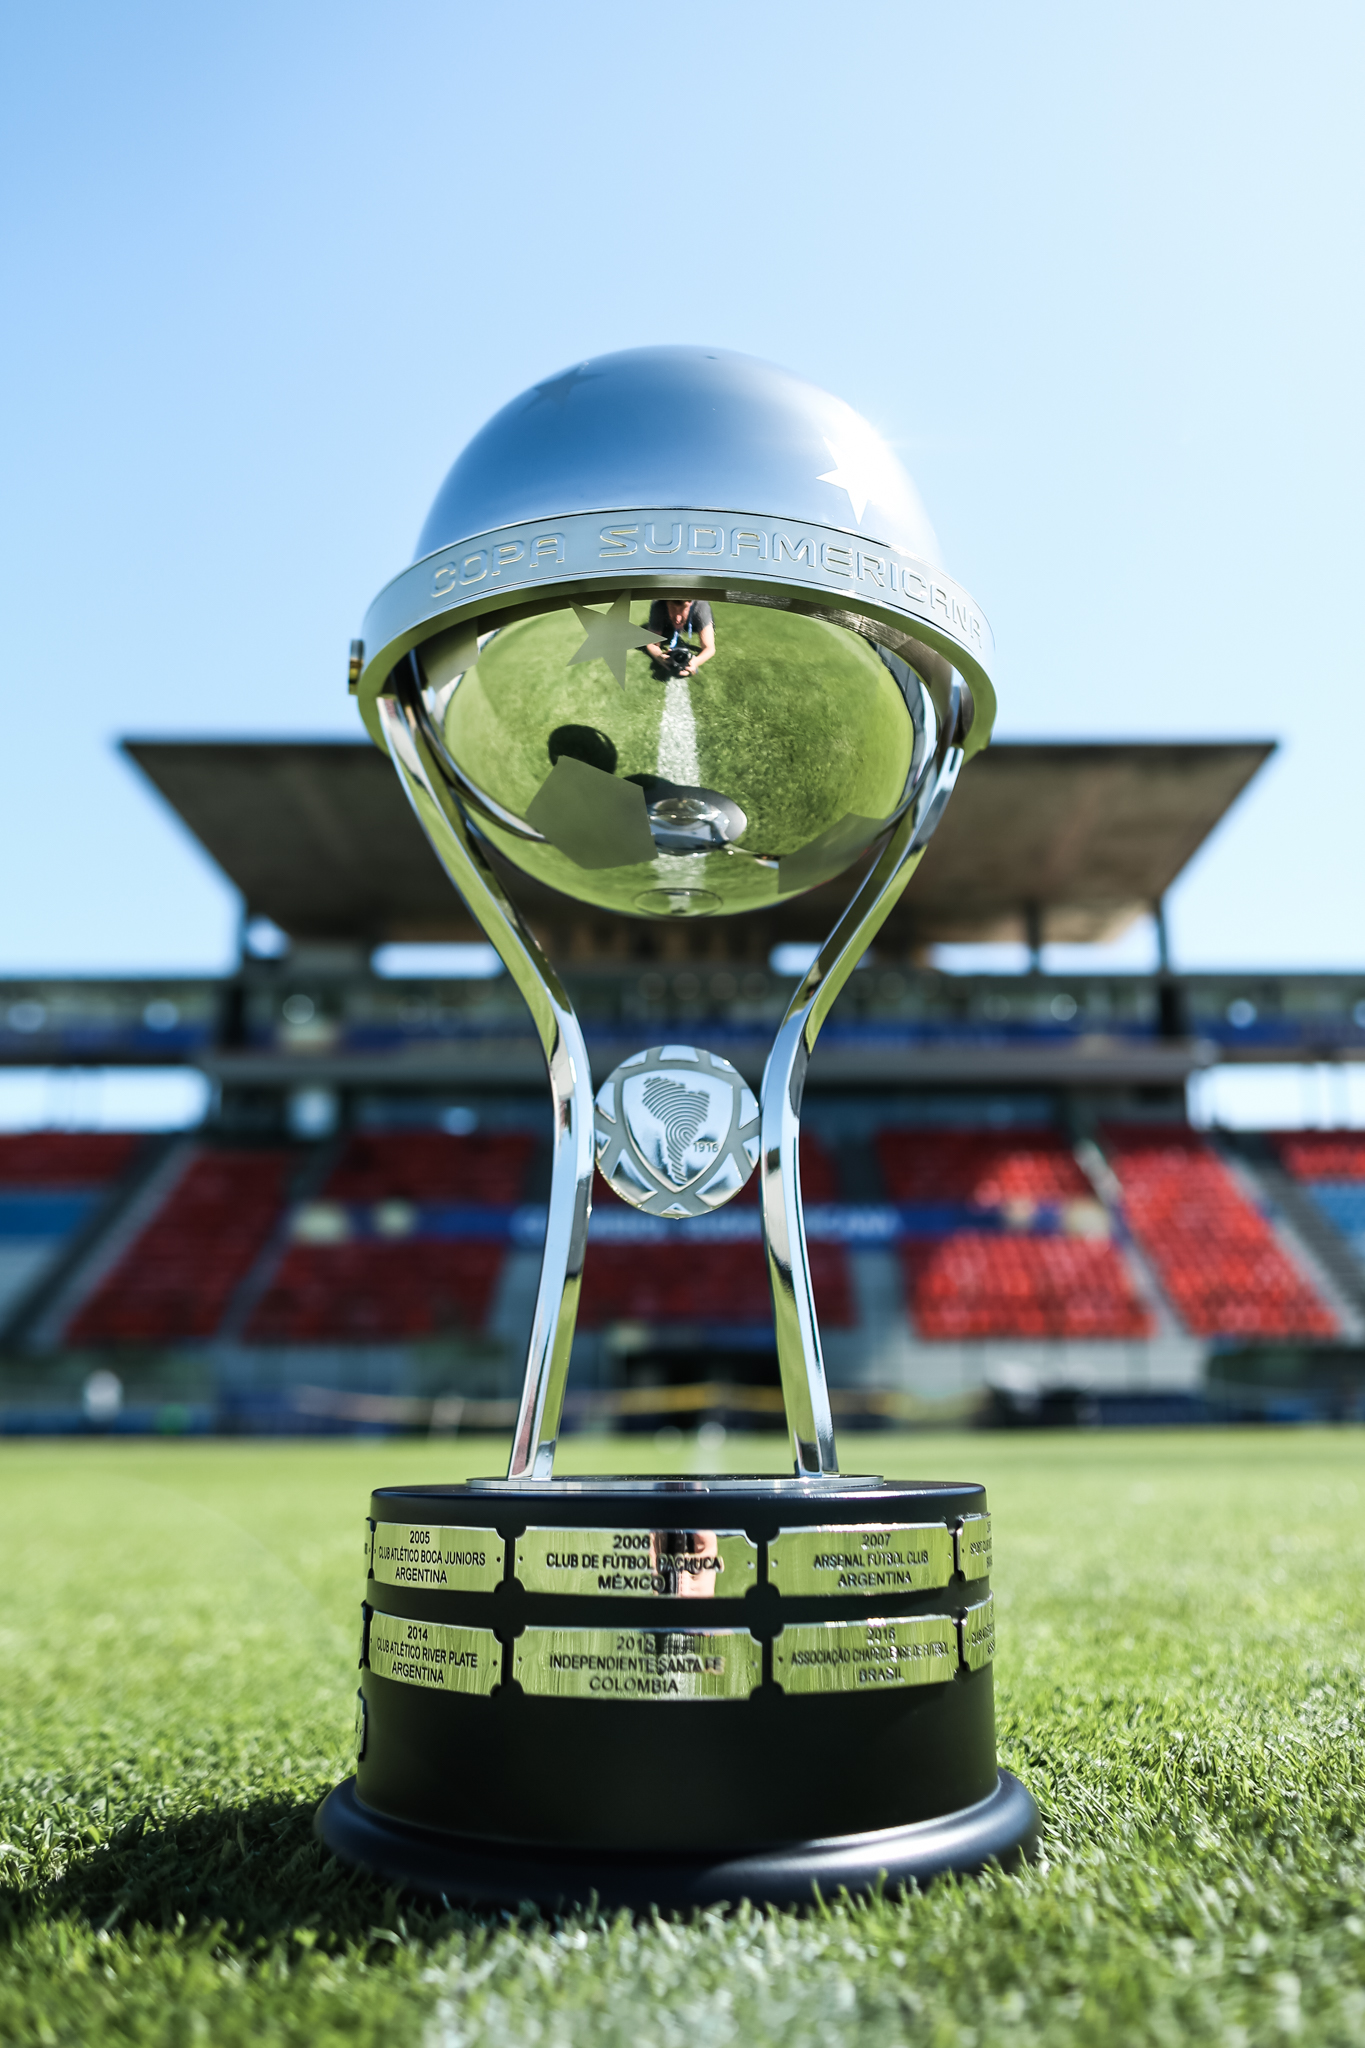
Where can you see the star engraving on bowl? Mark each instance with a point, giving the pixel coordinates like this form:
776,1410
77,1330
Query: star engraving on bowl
858,471
610,637
556,391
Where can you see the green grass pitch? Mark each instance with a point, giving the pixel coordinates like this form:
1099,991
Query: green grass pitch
1178,1680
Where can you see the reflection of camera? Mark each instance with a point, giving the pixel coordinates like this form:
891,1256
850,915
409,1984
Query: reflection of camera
676,658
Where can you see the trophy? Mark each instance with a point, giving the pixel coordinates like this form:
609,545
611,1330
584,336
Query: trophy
676,644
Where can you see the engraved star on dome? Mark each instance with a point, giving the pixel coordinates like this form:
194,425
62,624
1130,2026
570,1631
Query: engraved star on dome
854,472
610,637
556,390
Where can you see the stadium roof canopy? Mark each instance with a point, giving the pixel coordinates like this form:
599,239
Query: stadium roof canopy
1067,840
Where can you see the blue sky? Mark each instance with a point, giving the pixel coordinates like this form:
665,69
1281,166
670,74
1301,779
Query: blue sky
1096,272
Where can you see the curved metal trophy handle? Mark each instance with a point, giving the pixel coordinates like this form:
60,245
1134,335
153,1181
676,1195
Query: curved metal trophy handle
566,1230
800,1362
801,1365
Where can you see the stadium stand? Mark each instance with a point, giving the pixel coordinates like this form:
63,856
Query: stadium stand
431,1166
1322,1156
30,1160
710,1282
819,1180
998,1232
980,1168
1216,1256
396,1232
1331,1167
1019,1284
725,1283
428,1271
51,1183
1051,1271
375,1290
177,1278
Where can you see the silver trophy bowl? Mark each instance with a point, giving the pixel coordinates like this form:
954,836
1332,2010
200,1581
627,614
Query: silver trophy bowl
677,643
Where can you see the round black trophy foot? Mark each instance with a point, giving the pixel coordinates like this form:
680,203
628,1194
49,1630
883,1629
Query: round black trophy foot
676,1692
1000,1829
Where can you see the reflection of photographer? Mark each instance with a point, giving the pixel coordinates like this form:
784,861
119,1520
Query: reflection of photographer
685,1562
672,654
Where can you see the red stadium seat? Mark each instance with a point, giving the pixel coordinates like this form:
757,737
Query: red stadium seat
370,1290
432,1166
982,1167
1215,1254
978,1283
819,1177
710,1283
178,1277
1322,1155
65,1159
1013,1284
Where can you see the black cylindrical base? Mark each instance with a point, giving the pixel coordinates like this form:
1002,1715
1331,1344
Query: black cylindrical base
1001,1829
676,1691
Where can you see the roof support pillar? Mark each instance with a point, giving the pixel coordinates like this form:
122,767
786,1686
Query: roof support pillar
1163,945
1172,1021
1033,936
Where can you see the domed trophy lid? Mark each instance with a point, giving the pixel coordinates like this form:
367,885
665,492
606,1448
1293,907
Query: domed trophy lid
682,635
680,426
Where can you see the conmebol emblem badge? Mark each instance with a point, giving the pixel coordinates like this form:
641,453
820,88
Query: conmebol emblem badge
676,1131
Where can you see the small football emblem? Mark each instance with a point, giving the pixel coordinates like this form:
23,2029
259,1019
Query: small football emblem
676,1131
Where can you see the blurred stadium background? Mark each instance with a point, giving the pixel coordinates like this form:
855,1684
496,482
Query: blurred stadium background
1013,1217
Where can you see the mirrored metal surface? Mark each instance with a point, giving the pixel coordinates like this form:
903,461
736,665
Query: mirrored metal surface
676,426
676,1131
865,1656
433,1654
801,1487
638,1664
872,1557
657,1564
684,471
602,763
676,713
978,1634
446,1557
799,1356
974,1547
441,817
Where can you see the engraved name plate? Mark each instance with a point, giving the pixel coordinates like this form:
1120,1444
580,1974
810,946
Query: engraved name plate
437,1554
638,1664
662,1564
431,1653
974,1547
873,1557
865,1656
978,1634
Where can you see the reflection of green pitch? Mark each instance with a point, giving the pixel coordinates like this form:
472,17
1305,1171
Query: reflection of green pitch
797,721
